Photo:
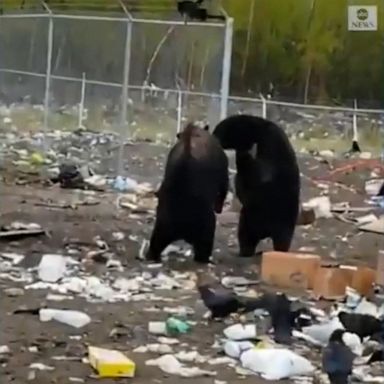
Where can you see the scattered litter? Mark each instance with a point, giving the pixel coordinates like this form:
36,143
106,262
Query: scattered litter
235,348
125,184
376,226
18,229
169,364
15,258
52,268
110,363
14,292
276,364
239,332
76,319
175,326
41,367
321,206
372,187
4,349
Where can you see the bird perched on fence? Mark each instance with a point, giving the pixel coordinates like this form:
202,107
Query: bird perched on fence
192,10
337,359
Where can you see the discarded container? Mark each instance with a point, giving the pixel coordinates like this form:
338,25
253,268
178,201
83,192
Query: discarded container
175,326
276,364
157,328
380,269
76,319
125,184
110,363
239,332
52,268
235,348
372,187
330,282
289,269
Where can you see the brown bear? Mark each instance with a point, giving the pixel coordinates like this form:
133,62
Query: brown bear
194,187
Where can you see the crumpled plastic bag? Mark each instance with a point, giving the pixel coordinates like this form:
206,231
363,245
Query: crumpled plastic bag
169,364
275,364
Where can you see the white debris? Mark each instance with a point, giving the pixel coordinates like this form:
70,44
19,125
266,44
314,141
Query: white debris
118,236
275,364
169,364
15,258
52,268
240,332
320,333
41,367
4,349
321,206
235,348
76,319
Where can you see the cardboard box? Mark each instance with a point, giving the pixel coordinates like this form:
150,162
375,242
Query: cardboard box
290,269
331,282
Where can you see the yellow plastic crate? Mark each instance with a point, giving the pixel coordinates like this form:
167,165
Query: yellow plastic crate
110,363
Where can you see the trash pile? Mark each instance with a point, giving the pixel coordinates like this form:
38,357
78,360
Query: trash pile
268,334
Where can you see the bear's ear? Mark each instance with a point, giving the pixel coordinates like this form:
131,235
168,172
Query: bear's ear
206,127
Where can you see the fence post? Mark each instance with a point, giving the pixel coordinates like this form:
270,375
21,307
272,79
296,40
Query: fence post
124,123
263,106
48,80
81,105
179,109
226,70
355,137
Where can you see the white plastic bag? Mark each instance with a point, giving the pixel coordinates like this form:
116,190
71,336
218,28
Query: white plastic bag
275,364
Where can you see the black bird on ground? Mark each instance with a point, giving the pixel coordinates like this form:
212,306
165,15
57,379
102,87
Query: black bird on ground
283,318
220,301
337,359
361,324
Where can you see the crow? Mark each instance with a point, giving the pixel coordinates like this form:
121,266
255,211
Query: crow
219,300
283,318
337,359
191,9
361,324
222,302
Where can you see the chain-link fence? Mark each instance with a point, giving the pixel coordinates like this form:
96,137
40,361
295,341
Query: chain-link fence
142,78
119,73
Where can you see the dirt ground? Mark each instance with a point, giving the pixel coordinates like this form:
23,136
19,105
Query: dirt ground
330,238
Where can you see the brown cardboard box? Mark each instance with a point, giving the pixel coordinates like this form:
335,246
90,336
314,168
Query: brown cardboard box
360,278
331,282
380,269
290,269
363,280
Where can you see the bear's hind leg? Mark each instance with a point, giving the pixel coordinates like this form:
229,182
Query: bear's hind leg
204,239
161,237
249,235
282,238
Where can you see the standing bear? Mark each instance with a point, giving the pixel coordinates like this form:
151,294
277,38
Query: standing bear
267,181
194,187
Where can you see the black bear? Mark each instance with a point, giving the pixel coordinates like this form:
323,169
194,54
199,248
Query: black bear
194,187
267,181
